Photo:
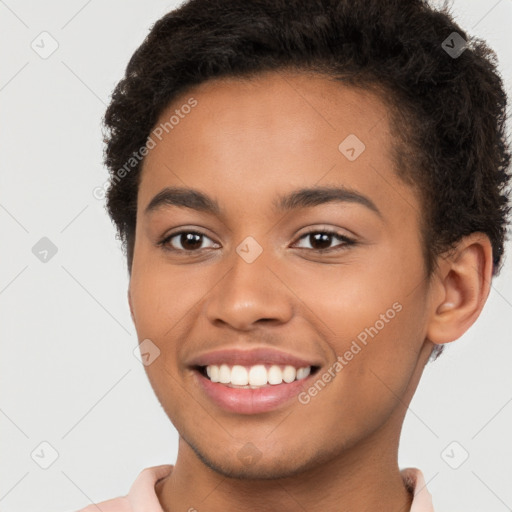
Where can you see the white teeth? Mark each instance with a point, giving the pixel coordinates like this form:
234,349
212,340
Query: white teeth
275,375
224,374
214,373
255,376
302,373
289,373
239,376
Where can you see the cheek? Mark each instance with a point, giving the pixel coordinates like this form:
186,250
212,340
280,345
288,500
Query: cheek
157,310
374,358
345,298
373,319
162,295
163,299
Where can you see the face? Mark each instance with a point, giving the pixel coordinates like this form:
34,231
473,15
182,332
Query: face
285,239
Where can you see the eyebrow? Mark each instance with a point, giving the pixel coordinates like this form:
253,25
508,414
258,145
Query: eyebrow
302,198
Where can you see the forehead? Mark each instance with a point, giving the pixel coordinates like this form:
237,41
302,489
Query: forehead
269,133
281,107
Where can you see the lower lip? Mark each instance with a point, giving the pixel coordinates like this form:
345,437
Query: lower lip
251,401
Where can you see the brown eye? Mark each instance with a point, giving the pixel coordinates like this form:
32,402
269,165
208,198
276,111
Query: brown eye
186,241
322,240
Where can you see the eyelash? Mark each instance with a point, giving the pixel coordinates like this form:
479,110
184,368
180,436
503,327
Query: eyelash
347,241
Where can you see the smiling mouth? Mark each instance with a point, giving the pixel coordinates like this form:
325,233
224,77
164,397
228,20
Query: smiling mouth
255,376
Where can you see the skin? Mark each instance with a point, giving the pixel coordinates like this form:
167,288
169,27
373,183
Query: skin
245,143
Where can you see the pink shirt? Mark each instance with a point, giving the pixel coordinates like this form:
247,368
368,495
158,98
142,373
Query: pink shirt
142,495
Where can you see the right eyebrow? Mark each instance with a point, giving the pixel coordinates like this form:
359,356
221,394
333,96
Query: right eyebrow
183,197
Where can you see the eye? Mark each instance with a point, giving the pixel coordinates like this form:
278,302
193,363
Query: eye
320,240
190,241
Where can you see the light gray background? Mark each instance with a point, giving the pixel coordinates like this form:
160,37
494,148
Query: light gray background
68,373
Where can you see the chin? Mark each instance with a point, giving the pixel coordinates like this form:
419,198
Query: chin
249,464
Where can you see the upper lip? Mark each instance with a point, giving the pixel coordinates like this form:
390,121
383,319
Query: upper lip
251,357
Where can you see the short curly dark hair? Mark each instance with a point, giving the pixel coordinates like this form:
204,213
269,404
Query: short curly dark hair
448,107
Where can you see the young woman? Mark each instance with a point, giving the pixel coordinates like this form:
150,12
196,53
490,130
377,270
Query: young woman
311,195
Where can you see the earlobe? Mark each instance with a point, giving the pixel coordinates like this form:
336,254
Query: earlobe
460,289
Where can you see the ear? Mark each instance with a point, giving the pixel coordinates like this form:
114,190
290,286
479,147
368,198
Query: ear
460,288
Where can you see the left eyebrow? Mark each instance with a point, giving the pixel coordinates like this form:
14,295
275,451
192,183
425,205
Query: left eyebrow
302,198
308,197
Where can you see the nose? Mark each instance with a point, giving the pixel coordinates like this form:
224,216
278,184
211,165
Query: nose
250,295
